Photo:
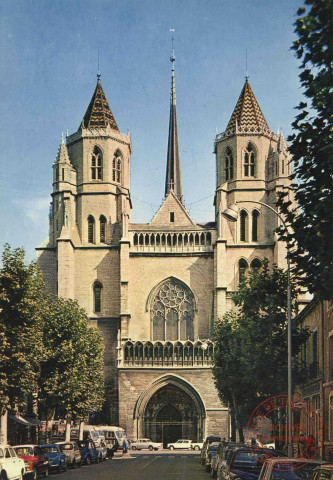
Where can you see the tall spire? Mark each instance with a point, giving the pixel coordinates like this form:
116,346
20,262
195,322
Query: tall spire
173,180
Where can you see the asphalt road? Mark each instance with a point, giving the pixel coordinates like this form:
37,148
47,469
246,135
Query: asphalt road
162,465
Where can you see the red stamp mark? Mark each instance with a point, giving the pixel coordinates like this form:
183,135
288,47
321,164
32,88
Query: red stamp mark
267,428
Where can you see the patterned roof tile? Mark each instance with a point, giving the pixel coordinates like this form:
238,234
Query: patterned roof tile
99,113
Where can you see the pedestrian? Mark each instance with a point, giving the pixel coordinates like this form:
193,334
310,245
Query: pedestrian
301,445
310,446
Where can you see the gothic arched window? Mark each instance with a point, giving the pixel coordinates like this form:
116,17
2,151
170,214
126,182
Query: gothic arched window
102,229
98,297
256,264
249,161
116,167
242,267
97,164
229,164
244,226
172,312
255,222
91,229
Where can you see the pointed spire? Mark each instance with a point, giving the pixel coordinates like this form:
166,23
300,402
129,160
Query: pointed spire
99,114
282,144
247,115
62,155
173,180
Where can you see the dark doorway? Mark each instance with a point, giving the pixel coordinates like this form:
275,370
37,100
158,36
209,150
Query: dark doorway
171,414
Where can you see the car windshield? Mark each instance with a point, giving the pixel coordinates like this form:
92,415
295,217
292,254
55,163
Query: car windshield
21,451
246,459
214,448
49,449
293,471
66,446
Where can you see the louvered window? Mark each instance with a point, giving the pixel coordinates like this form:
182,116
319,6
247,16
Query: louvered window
97,297
102,229
117,167
229,164
255,221
243,226
242,267
91,229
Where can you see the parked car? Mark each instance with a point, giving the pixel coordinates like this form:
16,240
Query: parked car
11,466
208,441
57,459
102,451
323,472
145,443
36,464
197,446
290,468
211,452
72,452
180,444
245,463
89,452
223,452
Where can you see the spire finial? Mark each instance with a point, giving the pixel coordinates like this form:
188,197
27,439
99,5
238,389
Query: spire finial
246,71
62,137
172,58
98,72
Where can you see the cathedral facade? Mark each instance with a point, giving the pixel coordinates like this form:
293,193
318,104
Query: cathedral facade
154,290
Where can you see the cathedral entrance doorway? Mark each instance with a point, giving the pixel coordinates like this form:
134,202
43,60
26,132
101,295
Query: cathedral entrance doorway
171,414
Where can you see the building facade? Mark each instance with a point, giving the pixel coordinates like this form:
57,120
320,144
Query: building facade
155,289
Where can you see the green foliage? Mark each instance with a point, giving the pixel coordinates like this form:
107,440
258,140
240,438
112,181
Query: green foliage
72,380
251,354
21,303
312,151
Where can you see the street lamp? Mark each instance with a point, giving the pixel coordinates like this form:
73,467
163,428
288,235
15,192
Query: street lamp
231,214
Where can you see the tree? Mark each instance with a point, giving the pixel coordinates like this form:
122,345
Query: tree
21,302
251,355
311,231
72,379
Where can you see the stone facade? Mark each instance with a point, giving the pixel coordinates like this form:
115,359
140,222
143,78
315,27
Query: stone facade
155,289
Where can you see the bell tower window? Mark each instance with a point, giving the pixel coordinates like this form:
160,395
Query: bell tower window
244,226
102,229
229,164
97,164
91,229
98,297
116,167
255,221
249,161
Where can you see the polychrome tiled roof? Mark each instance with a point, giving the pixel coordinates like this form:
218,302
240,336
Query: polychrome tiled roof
99,113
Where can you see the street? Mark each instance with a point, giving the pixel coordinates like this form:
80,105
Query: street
143,466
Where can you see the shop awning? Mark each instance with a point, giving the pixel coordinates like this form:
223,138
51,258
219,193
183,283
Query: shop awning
20,420
34,421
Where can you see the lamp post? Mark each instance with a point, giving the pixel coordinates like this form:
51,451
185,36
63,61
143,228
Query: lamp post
231,214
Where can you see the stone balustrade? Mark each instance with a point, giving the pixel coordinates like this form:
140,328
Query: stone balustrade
168,354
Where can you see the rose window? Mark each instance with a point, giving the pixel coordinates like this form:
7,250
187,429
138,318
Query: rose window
172,312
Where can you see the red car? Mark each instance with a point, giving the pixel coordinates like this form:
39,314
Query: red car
36,464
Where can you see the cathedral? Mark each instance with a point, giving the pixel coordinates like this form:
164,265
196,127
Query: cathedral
154,289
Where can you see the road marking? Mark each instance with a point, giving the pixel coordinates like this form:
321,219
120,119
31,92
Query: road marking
148,463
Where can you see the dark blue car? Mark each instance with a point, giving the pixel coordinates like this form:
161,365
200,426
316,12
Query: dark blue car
89,452
57,459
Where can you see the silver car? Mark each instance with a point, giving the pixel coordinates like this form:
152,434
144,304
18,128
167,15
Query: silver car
146,443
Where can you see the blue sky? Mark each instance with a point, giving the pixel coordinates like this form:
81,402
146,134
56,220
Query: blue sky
48,75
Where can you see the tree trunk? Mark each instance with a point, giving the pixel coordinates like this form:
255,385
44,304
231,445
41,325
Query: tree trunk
232,424
81,430
3,428
68,429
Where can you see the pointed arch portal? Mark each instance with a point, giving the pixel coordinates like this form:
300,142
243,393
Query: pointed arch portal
168,410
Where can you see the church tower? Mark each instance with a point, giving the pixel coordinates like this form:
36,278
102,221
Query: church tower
252,165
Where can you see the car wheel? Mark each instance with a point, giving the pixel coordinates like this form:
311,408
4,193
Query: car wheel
155,449
172,448
134,447
88,460
59,469
212,473
46,473
196,447
64,468
34,474
151,448
97,459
